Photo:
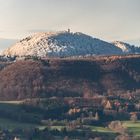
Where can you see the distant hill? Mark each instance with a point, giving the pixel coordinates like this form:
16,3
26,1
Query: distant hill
61,44
70,77
67,44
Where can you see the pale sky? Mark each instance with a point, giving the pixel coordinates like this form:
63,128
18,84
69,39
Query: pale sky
106,19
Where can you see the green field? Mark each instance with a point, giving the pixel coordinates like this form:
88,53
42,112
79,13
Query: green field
11,102
101,129
14,108
10,124
132,127
104,131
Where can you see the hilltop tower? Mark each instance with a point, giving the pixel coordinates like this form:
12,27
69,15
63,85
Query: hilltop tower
69,30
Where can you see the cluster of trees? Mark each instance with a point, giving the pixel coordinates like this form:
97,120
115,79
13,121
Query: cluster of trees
68,77
7,58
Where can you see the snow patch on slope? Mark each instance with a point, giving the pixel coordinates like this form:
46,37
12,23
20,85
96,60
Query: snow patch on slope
125,47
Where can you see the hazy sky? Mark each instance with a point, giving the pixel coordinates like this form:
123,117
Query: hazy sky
106,19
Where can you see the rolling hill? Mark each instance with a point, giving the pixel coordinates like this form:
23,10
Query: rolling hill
61,44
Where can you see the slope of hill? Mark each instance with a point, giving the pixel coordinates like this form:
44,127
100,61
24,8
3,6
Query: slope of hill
69,77
61,44
127,48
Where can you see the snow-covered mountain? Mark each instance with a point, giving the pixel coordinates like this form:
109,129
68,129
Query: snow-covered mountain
126,48
61,44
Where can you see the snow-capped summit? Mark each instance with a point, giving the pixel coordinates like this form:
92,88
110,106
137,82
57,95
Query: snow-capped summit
61,44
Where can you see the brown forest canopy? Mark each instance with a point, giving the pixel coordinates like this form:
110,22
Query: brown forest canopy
69,77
